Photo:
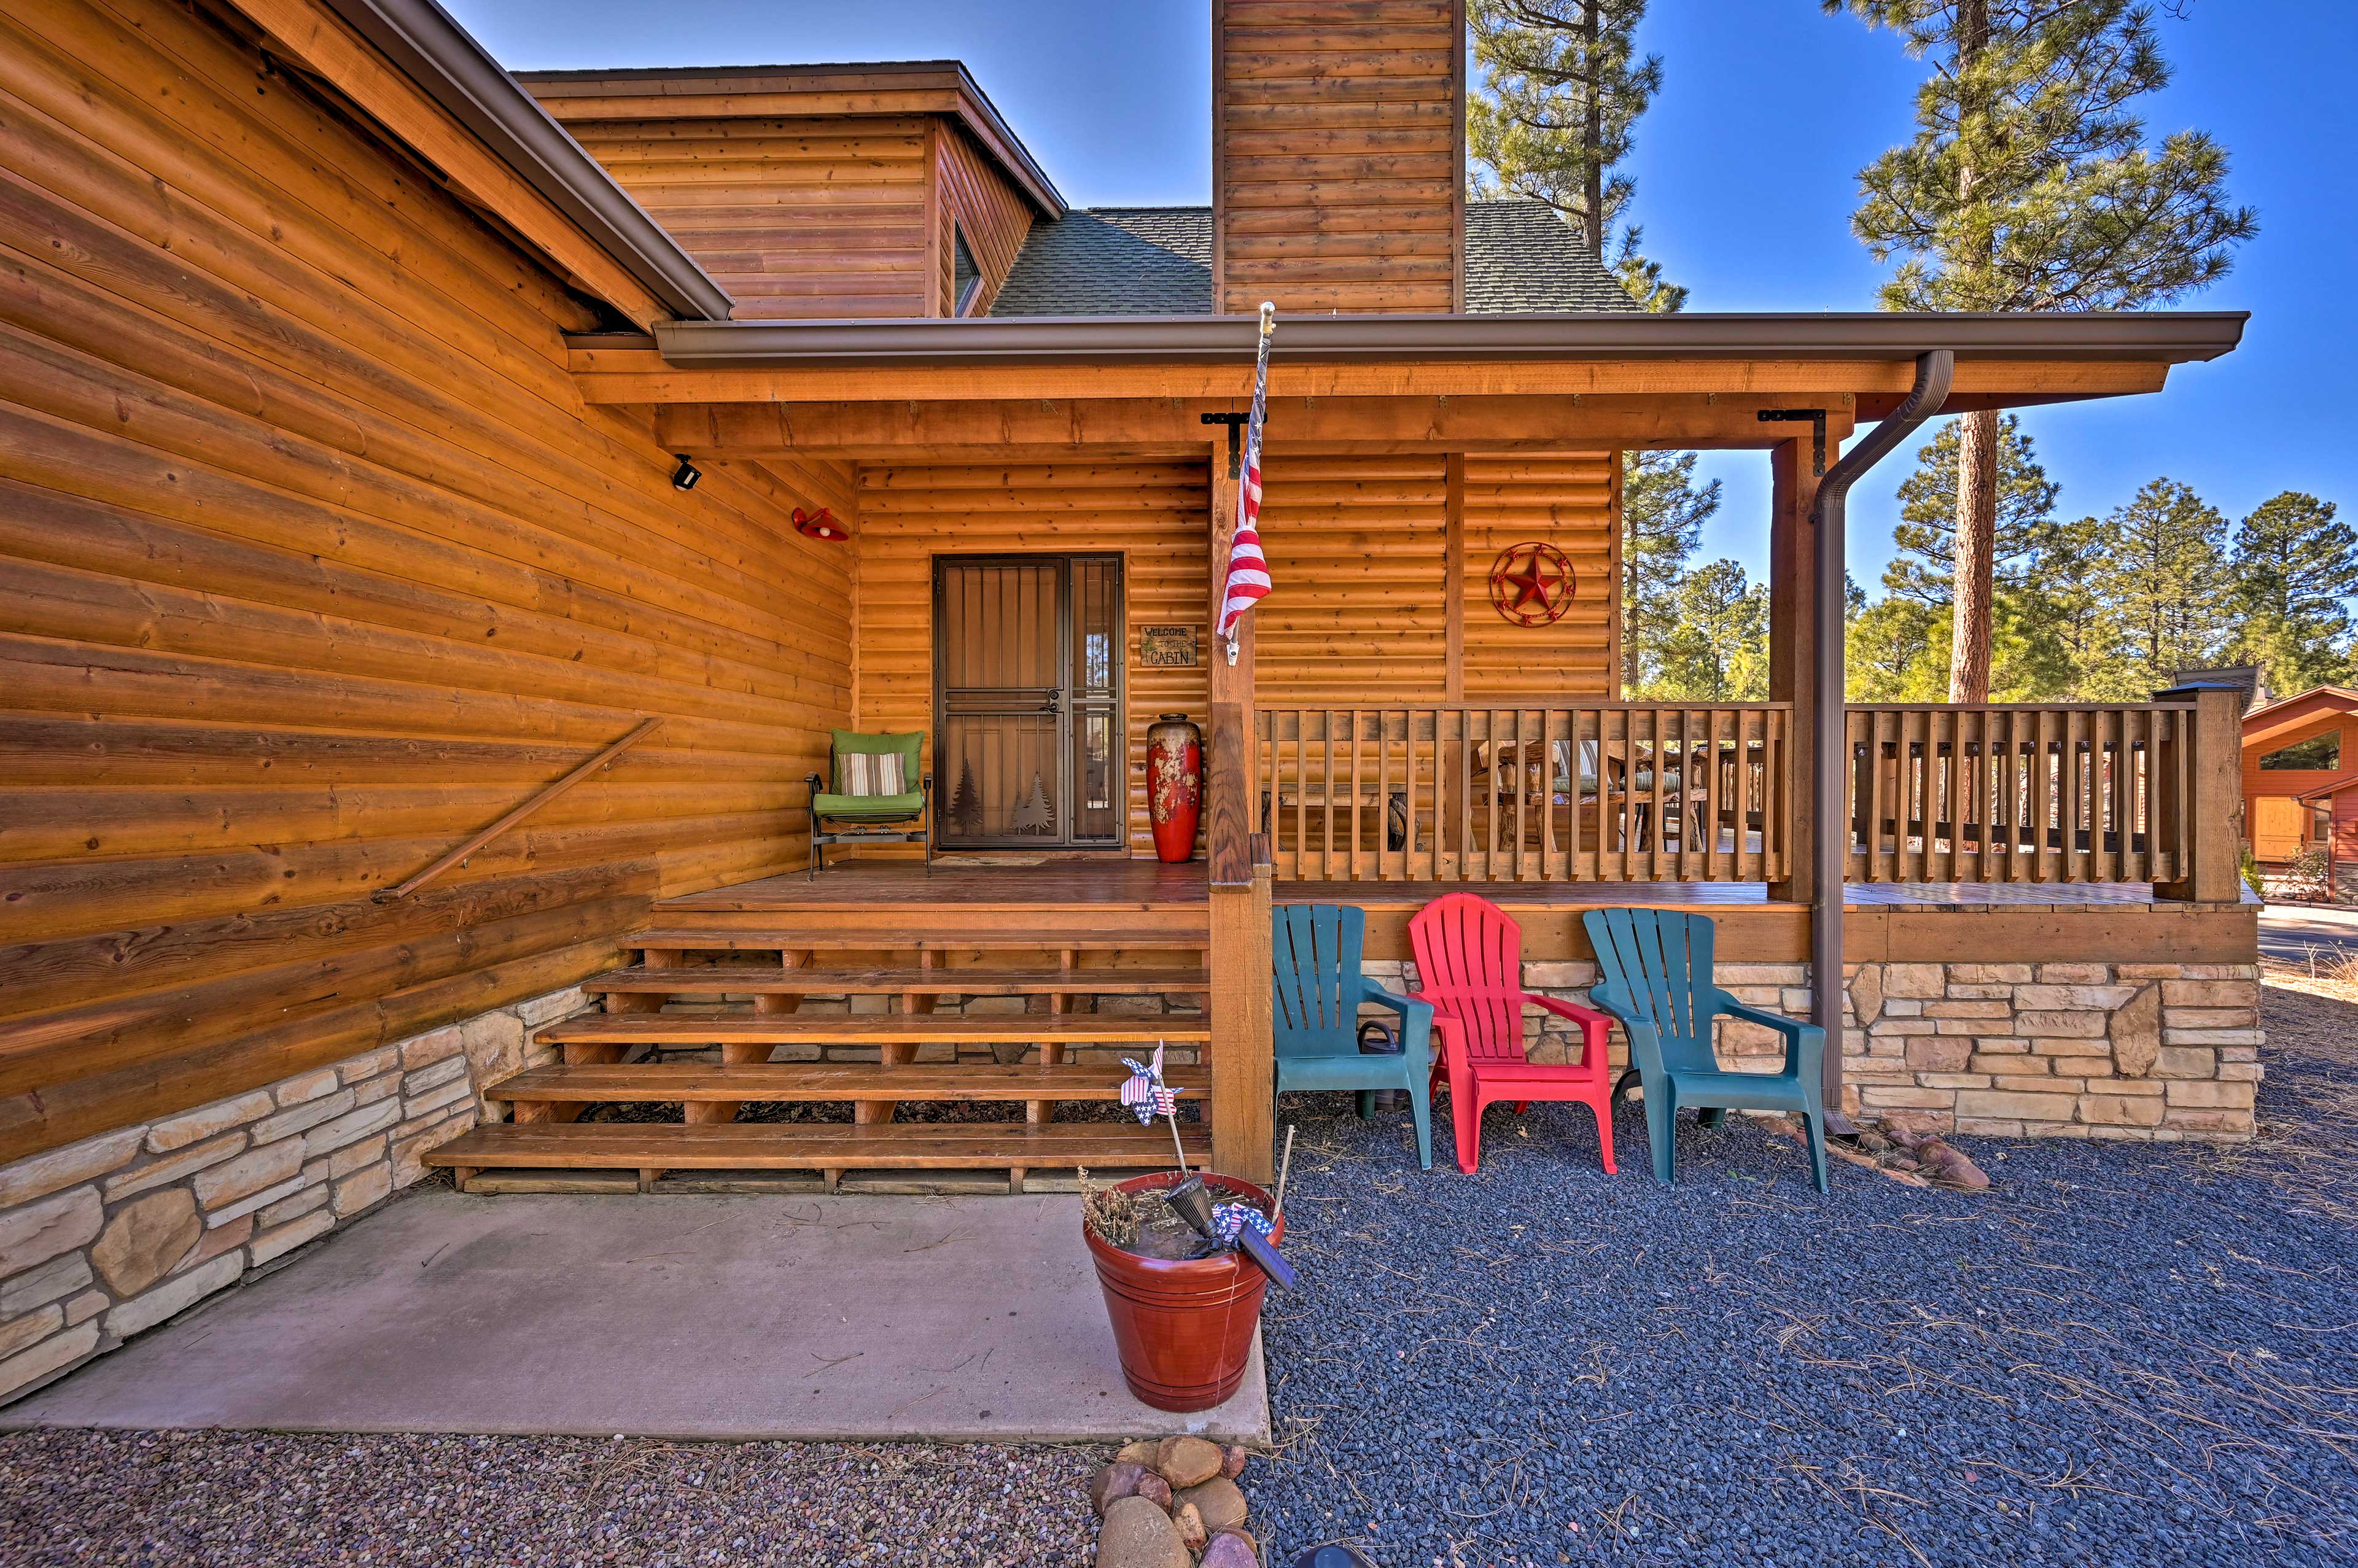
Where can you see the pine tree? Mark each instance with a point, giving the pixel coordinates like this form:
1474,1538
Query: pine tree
1560,90
1662,513
1924,540
2294,567
1718,651
2160,582
1892,652
2029,186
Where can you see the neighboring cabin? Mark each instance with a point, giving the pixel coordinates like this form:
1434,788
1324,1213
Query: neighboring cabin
2300,781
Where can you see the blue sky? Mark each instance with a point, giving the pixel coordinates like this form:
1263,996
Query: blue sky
1744,172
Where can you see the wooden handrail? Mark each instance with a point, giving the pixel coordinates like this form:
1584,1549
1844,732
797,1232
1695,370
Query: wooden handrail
1579,791
646,727
2020,792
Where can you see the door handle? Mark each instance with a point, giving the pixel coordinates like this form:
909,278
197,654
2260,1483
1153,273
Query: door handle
1056,702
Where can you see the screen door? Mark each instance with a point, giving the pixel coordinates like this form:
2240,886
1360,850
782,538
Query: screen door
1027,683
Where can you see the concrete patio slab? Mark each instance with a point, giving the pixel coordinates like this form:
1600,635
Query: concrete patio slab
702,1315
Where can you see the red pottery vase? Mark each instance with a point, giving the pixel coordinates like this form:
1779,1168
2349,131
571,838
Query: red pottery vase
1174,785
1184,1329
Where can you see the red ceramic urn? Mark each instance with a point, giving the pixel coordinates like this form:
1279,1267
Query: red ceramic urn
1175,785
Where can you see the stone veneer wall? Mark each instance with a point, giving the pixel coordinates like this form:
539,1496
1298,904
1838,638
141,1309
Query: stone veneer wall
105,1238
2156,1052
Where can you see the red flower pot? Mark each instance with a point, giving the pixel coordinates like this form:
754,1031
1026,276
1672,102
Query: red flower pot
1184,1329
1174,785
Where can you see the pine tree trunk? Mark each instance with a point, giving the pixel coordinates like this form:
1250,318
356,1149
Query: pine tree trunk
1593,134
1969,646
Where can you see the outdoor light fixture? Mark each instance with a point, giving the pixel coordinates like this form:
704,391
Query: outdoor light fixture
819,525
684,476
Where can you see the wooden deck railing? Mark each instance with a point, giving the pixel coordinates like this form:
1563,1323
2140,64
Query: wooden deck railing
1598,792
2046,793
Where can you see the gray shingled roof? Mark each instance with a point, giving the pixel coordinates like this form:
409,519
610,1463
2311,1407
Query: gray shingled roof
1157,261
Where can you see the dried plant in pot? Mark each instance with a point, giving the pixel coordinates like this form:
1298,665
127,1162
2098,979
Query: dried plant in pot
1182,1326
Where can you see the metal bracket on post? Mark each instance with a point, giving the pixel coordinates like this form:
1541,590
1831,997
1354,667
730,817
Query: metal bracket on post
1235,422
1817,419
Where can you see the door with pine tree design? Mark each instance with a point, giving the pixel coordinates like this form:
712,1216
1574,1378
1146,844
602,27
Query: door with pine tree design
1027,716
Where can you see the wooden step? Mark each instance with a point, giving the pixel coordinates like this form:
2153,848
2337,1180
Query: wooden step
817,1146
911,936
830,1081
677,1029
1161,981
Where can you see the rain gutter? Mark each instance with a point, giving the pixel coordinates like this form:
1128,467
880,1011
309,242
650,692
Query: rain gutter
2160,336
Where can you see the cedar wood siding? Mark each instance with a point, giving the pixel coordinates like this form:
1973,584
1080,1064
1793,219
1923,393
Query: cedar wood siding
1358,547
812,218
976,196
316,563
1339,157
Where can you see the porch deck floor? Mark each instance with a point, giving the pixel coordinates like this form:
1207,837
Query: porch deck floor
1109,885
680,1315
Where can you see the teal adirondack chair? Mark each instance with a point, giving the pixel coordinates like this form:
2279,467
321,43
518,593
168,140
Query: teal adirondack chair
1316,989
1658,967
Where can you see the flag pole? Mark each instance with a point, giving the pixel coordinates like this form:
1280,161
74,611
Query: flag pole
1247,481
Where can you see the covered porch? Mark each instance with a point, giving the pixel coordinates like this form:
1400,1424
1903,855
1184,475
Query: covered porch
1382,732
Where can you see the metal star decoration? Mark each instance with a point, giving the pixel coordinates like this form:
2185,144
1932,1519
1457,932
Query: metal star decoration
1531,584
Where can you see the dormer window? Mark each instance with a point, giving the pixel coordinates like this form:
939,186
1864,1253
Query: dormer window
965,278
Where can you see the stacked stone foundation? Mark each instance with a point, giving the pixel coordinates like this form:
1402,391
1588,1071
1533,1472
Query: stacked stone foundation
104,1239
2154,1052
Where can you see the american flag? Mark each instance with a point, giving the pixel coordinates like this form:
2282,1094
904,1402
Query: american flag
1248,574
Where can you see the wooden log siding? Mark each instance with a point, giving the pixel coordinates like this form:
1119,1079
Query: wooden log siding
795,218
2062,793
1570,499
1152,512
1462,791
315,561
1337,154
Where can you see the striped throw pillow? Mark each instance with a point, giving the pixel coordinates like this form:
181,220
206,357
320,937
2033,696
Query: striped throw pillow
866,776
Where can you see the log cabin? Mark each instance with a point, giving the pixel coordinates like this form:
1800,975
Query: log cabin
448,513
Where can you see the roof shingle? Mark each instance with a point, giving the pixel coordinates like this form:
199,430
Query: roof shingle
1157,261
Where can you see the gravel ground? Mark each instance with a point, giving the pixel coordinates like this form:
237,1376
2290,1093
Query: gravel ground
261,1498
2122,1355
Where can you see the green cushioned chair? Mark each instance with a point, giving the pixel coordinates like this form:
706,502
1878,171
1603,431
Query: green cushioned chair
839,817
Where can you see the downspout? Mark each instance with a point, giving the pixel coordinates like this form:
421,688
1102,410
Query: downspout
1829,783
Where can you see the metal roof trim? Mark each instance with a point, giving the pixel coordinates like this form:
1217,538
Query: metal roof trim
423,41
2163,337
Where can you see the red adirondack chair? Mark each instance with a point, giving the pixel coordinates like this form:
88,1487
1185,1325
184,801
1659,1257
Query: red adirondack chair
1469,961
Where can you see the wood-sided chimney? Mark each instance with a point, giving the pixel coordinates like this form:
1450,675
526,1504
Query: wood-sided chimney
1339,154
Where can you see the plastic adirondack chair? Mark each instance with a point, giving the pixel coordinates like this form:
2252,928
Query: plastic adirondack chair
1469,967
1657,981
1316,989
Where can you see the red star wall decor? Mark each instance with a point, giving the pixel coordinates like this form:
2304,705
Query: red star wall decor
1531,584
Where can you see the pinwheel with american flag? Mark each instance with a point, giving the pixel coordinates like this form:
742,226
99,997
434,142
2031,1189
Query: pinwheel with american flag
1145,1092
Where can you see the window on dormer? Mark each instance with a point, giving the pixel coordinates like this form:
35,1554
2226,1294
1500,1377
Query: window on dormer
965,278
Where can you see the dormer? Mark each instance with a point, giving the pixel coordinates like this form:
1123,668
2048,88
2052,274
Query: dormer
818,192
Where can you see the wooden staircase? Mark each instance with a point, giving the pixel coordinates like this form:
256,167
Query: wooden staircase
689,1033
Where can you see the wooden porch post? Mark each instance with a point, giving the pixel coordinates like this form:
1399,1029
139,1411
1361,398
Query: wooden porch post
1241,1047
2214,804
1792,651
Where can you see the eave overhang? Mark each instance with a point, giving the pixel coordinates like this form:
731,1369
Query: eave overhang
2164,338
422,41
